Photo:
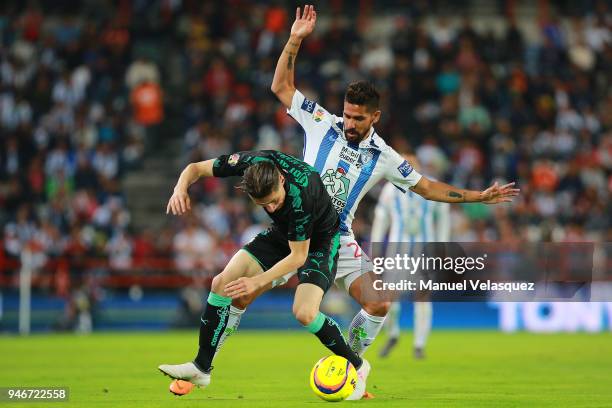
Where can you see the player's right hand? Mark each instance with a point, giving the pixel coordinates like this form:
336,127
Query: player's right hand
304,24
179,203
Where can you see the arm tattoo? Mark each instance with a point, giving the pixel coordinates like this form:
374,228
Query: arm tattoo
454,194
294,44
290,62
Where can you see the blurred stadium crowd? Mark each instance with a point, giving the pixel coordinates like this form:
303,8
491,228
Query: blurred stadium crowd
85,93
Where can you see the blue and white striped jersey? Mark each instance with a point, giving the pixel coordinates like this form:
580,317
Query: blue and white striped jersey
410,218
348,170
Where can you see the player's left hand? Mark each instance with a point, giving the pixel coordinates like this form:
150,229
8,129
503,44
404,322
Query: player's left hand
499,194
304,23
242,287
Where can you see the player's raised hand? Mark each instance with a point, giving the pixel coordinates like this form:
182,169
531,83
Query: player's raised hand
499,194
304,24
179,203
242,287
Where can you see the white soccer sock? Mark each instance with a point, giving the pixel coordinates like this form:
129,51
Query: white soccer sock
392,323
233,321
363,330
422,323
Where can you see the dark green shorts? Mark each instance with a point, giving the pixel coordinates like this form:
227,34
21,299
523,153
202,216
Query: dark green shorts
270,246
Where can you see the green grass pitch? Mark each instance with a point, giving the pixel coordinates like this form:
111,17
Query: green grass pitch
270,369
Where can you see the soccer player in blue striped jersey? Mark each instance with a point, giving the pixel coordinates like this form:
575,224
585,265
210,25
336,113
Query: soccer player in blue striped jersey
351,158
408,220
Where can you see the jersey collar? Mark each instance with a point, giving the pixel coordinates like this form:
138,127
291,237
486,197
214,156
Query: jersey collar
369,141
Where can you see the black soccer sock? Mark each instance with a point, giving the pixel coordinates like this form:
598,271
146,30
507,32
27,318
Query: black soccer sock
328,332
212,325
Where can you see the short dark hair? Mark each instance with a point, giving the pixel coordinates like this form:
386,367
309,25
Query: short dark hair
260,179
363,93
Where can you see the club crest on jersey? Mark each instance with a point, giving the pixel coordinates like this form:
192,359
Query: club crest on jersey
308,105
337,185
405,168
318,115
365,157
233,159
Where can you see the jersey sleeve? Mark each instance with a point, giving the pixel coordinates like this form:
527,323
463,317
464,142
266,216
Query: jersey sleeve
399,172
312,117
382,214
300,220
235,164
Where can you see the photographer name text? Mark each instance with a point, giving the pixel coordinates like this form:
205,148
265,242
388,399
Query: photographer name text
466,284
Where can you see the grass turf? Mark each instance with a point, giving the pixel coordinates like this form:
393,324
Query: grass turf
270,369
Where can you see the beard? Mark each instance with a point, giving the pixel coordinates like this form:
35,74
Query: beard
354,136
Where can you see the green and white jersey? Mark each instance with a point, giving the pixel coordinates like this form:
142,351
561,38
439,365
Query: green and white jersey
347,170
307,212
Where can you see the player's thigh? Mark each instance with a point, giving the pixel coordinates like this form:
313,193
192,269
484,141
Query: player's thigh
266,249
241,264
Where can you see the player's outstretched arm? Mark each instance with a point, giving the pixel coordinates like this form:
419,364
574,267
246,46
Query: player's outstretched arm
180,203
282,83
246,286
438,191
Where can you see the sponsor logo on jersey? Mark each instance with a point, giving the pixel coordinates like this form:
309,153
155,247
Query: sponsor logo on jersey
308,105
337,185
318,115
349,155
233,159
405,168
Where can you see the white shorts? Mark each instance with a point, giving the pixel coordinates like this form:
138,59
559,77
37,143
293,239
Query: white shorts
352,263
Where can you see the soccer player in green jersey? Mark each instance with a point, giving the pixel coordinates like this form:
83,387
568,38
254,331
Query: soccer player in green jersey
304,236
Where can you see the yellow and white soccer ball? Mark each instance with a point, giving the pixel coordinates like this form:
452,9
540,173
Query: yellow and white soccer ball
333,378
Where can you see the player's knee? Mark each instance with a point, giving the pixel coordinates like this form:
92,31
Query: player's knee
304,315
243,302
218,284
379,308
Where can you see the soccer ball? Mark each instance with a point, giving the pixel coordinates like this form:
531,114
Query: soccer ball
181,387
333,378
